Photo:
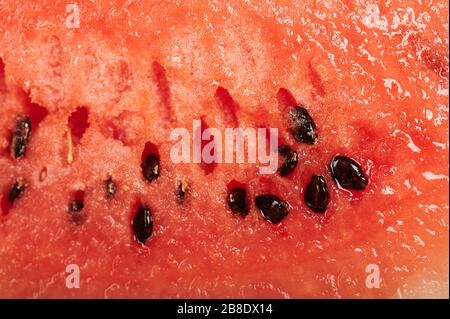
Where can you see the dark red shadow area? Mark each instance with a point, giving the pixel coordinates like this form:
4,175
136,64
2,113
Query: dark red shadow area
228,106
160,77
2,76
285,99
78,123
207,168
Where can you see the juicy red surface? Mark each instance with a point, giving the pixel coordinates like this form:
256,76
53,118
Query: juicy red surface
376,85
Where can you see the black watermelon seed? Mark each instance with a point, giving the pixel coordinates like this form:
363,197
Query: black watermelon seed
237,201
75,208
110,187
16,190
272,208
76,205
143,224
20,137
181,191
316,194
290,159
302,125
348,173
150,167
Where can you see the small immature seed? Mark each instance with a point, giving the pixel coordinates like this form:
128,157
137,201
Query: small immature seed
348,173
150,167
69,147
237,201
290,159
143,224
76,205
110,187
272,208
316,194
181,191
43,174
20,137
75,208
302,125
16,190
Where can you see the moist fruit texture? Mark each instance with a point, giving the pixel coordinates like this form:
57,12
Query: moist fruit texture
93,184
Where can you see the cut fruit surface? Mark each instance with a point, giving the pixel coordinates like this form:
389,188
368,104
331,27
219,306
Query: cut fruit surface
373,78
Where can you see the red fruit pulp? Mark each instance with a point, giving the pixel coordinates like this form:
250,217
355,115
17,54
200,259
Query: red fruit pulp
373,77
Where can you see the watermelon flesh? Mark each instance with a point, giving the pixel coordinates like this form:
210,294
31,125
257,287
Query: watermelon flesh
373,77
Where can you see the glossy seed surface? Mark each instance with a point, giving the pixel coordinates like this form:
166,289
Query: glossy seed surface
150,167
110,187
302,125
143,224
272,208
348,173
16,190
316,194
20,137
237,201
289,160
